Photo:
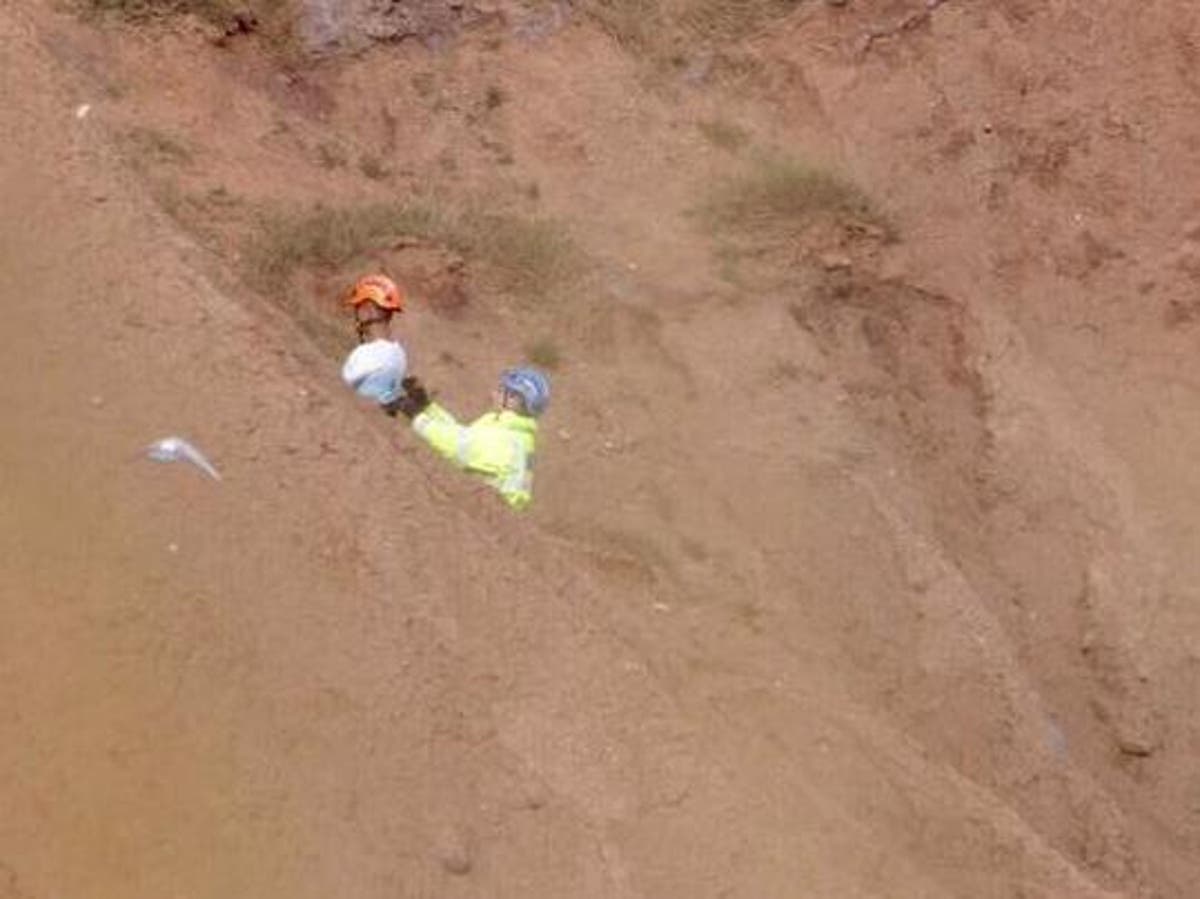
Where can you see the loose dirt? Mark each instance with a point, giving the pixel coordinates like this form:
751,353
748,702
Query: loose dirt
861,560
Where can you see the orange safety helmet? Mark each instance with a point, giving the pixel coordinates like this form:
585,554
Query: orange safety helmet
378,289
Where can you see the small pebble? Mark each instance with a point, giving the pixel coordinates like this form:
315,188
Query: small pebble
453,853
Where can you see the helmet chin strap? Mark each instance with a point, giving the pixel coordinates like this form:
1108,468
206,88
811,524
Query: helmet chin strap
512,401
363,325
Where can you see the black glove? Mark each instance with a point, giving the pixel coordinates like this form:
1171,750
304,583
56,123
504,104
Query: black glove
412,402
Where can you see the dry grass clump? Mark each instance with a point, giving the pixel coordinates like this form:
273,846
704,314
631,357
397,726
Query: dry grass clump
544,353
724,20
784,193
528,256
636,25
322,236
272,20
723,134
147,9
523,256
150,145
660,29
373,168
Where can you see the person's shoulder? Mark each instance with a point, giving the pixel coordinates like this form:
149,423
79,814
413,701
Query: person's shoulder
516,421
375,357
380,353
384,349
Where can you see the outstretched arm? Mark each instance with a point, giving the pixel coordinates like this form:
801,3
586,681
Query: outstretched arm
435,425
442,431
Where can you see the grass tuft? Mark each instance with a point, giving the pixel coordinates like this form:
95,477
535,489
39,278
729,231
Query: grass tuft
331,156
524,256
635,25
725,20
147,9
326,237
544,353
663,29
785,193
724,135
529,256
149,145
373,168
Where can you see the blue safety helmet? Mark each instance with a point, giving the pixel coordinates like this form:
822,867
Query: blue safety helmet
531,385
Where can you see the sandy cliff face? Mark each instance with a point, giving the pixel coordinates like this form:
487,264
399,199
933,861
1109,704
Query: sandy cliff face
860,563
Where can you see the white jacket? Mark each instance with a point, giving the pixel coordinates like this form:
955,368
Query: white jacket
374,370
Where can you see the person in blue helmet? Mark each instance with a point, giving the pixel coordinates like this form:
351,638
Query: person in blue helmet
499,445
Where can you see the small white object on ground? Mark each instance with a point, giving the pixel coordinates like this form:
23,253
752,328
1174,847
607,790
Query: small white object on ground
176,449
82,110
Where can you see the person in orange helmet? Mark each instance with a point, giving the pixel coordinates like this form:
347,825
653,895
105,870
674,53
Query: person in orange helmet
375,369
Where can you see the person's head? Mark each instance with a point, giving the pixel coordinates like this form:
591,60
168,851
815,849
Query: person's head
374,299
525,391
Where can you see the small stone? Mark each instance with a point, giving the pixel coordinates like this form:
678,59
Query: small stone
242,21
1137,731
172,547
1087,641
535,796
1137,745
97,401
454,853
835,262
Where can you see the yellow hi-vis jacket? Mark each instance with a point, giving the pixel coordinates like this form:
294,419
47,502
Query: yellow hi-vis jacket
497,446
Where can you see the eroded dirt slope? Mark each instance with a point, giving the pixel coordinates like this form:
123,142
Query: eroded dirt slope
858,567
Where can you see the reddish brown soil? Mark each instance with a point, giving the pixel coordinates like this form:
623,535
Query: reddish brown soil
863,565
